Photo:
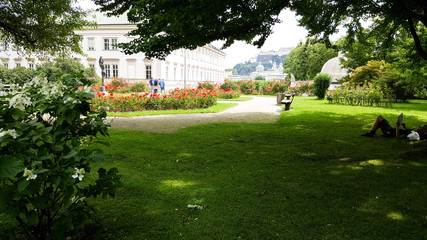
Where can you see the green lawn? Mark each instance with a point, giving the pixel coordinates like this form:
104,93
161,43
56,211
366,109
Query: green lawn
310,176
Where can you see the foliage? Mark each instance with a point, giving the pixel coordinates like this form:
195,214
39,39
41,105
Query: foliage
307,59
228,94
64,65
252,87
321,84
165,26
138,87
234,71
359,96
206,85
259,77
18,75
388,79
229,85
304,87
179,99
46,129
42,25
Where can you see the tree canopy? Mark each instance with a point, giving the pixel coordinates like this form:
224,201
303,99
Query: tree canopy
306,60
41,25
167,25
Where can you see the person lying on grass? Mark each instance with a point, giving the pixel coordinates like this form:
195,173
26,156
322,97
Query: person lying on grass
396,132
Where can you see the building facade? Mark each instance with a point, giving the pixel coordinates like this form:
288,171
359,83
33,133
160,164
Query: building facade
181,67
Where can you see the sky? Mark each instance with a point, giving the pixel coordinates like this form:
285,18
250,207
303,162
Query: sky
285,34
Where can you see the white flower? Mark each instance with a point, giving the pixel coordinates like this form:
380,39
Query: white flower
71,100
2,93
52,90
38,82
29,174
79,173
10,132
19,101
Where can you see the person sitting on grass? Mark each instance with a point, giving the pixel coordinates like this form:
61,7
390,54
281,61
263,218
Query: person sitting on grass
396,132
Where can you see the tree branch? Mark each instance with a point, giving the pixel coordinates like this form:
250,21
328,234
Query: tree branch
417,41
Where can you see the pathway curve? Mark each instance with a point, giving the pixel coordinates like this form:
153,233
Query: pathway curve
259,109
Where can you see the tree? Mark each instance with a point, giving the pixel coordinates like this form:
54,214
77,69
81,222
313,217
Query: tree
167,25
307,59
321,84
41,25
260,77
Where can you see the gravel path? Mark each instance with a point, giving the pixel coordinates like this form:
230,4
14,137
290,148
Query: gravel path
259,109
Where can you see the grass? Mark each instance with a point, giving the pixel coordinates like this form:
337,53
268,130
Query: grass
219,107
309,176
241,98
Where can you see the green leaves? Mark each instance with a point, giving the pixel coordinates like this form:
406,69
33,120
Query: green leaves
10,166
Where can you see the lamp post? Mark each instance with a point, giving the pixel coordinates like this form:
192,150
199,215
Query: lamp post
101,64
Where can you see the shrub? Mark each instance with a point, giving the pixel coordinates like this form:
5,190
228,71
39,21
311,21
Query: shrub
138,87
259,77
321,84
228,94
178,99
18,75
61,66
206,85
45,135
229,85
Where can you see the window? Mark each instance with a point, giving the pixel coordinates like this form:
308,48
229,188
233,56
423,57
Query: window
114,43
115,70
107,71
148,72
91,44
110,43
106,44
18,64
31,65
92,65
6,65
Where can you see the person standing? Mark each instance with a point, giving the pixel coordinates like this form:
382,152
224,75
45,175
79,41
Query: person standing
151,85
162,86
156,85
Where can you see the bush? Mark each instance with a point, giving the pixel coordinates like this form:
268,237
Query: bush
18,75
321,84
138,87
260,78
45,135
178,99
228,94
61,66
206,85
229,85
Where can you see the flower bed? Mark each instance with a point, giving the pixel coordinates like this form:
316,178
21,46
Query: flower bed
178,99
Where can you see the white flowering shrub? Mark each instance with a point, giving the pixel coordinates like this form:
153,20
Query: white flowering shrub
46,128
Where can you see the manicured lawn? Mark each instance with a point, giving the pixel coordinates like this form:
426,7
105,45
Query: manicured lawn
310,176
219,107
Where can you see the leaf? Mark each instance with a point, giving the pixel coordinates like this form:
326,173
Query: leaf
40,202
4,199
22,185
10,166
31,217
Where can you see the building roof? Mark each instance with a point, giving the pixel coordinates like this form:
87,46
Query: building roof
333,68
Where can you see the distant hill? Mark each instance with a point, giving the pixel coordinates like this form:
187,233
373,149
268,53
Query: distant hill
266,58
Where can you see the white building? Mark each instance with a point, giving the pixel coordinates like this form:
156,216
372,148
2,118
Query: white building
275,73
182,66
